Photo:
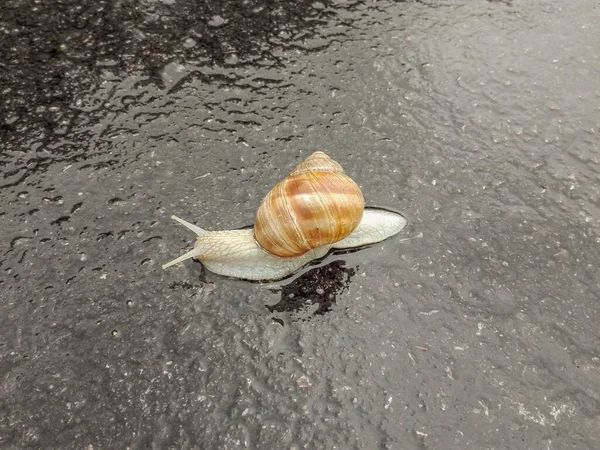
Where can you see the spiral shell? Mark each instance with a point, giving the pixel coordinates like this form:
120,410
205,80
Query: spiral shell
316,205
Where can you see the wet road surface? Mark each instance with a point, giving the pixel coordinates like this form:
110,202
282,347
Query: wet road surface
477,327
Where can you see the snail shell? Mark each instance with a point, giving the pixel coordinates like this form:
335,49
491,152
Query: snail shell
316,205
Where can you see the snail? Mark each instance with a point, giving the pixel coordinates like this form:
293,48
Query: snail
315,209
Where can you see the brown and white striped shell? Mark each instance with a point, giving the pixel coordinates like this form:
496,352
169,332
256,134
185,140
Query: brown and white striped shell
316,205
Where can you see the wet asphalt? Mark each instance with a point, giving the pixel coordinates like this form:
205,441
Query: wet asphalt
476,327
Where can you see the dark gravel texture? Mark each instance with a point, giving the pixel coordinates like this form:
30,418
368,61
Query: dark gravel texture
476,328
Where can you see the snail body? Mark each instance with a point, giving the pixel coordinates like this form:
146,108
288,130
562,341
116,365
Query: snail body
235,253
315,209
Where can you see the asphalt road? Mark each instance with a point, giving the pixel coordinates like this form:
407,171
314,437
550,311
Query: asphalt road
476,328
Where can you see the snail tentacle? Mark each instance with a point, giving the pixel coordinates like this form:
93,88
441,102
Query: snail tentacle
190,226
191,254
196,251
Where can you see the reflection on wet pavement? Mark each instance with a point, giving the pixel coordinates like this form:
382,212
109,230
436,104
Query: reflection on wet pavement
313,292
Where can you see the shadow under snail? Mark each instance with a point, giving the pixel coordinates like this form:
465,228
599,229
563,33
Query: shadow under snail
315,209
